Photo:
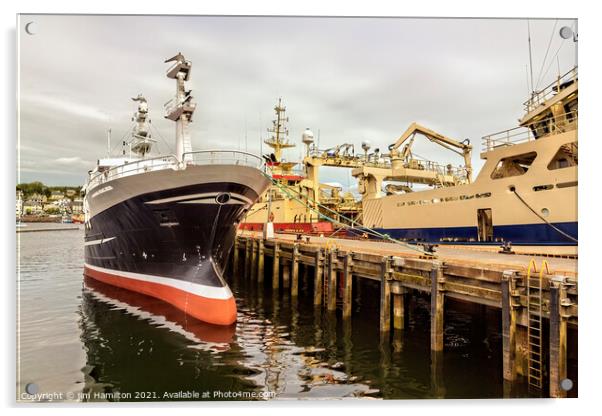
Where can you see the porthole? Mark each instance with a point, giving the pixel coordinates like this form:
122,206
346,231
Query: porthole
545,212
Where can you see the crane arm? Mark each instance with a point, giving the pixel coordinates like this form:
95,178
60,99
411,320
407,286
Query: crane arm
429,134
444,141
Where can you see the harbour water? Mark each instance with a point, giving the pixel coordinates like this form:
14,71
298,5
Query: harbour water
82,340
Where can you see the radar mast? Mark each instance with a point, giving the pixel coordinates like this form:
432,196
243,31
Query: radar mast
181,107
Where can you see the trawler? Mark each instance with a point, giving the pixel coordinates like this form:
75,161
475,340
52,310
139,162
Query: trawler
164,225
296,202
525,194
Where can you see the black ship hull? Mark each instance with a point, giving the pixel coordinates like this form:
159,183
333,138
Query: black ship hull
171,243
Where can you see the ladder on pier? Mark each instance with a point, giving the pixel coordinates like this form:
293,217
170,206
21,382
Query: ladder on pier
534,326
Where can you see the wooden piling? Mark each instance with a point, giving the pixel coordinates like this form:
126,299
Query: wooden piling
295,272
558,336
235,257
254,258
332,280
509,310
248,242
260,260
286,274
348,286
385,296
318,276
437,304
276,266
398,309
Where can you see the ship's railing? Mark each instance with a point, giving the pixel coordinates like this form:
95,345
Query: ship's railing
223,157
133,168
536,130
201,157
539,97
174,103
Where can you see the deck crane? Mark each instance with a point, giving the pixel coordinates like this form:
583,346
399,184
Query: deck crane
406,153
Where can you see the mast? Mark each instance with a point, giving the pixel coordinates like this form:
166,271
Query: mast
279,139
181,107
141,141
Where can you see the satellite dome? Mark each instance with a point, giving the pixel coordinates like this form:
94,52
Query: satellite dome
307,137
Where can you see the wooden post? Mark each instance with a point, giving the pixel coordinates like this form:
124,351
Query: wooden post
318,275
510,302
286,274
332,280
398,309
276,266
348,286
254,250
559,304
248,242
295,273
437,303
235,257
260,260
385,296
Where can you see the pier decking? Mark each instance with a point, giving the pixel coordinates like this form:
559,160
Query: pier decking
528,290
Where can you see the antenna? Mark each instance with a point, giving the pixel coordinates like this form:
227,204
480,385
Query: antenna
246,146
109,143
530,57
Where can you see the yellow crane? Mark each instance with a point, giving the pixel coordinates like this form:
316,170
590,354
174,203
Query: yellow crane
406,153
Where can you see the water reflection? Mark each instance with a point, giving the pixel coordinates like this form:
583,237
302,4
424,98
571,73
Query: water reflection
280,345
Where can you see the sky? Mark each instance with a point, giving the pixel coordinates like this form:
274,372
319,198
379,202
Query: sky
348,79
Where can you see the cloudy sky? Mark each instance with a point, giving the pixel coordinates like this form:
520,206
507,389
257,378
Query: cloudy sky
350,79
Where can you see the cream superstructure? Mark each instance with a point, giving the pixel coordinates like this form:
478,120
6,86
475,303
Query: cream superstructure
526,192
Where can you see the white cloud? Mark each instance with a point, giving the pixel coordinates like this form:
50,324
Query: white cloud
349,79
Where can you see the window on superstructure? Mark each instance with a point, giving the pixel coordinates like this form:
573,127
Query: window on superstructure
515,165
565,157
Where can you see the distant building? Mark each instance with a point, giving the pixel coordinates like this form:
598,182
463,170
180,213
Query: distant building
32,206
19,203
64,203
51,207
77,206
37,198
70,193
56,196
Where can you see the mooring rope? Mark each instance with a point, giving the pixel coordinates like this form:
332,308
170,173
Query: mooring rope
542,218
365,229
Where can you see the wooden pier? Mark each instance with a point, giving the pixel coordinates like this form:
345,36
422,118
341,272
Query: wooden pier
519,285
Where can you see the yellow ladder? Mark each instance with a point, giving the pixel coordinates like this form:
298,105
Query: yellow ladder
534,325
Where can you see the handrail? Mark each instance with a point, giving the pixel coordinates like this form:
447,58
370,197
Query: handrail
218,157
538,129
199,157
540,96
131,168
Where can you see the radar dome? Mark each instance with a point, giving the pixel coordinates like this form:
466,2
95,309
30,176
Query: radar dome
307,137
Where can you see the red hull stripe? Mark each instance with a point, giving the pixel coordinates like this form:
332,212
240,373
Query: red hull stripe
218,311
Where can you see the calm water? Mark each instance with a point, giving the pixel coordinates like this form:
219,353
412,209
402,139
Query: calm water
82,340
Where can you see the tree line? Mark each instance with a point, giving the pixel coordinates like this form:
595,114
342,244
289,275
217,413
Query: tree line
31,188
